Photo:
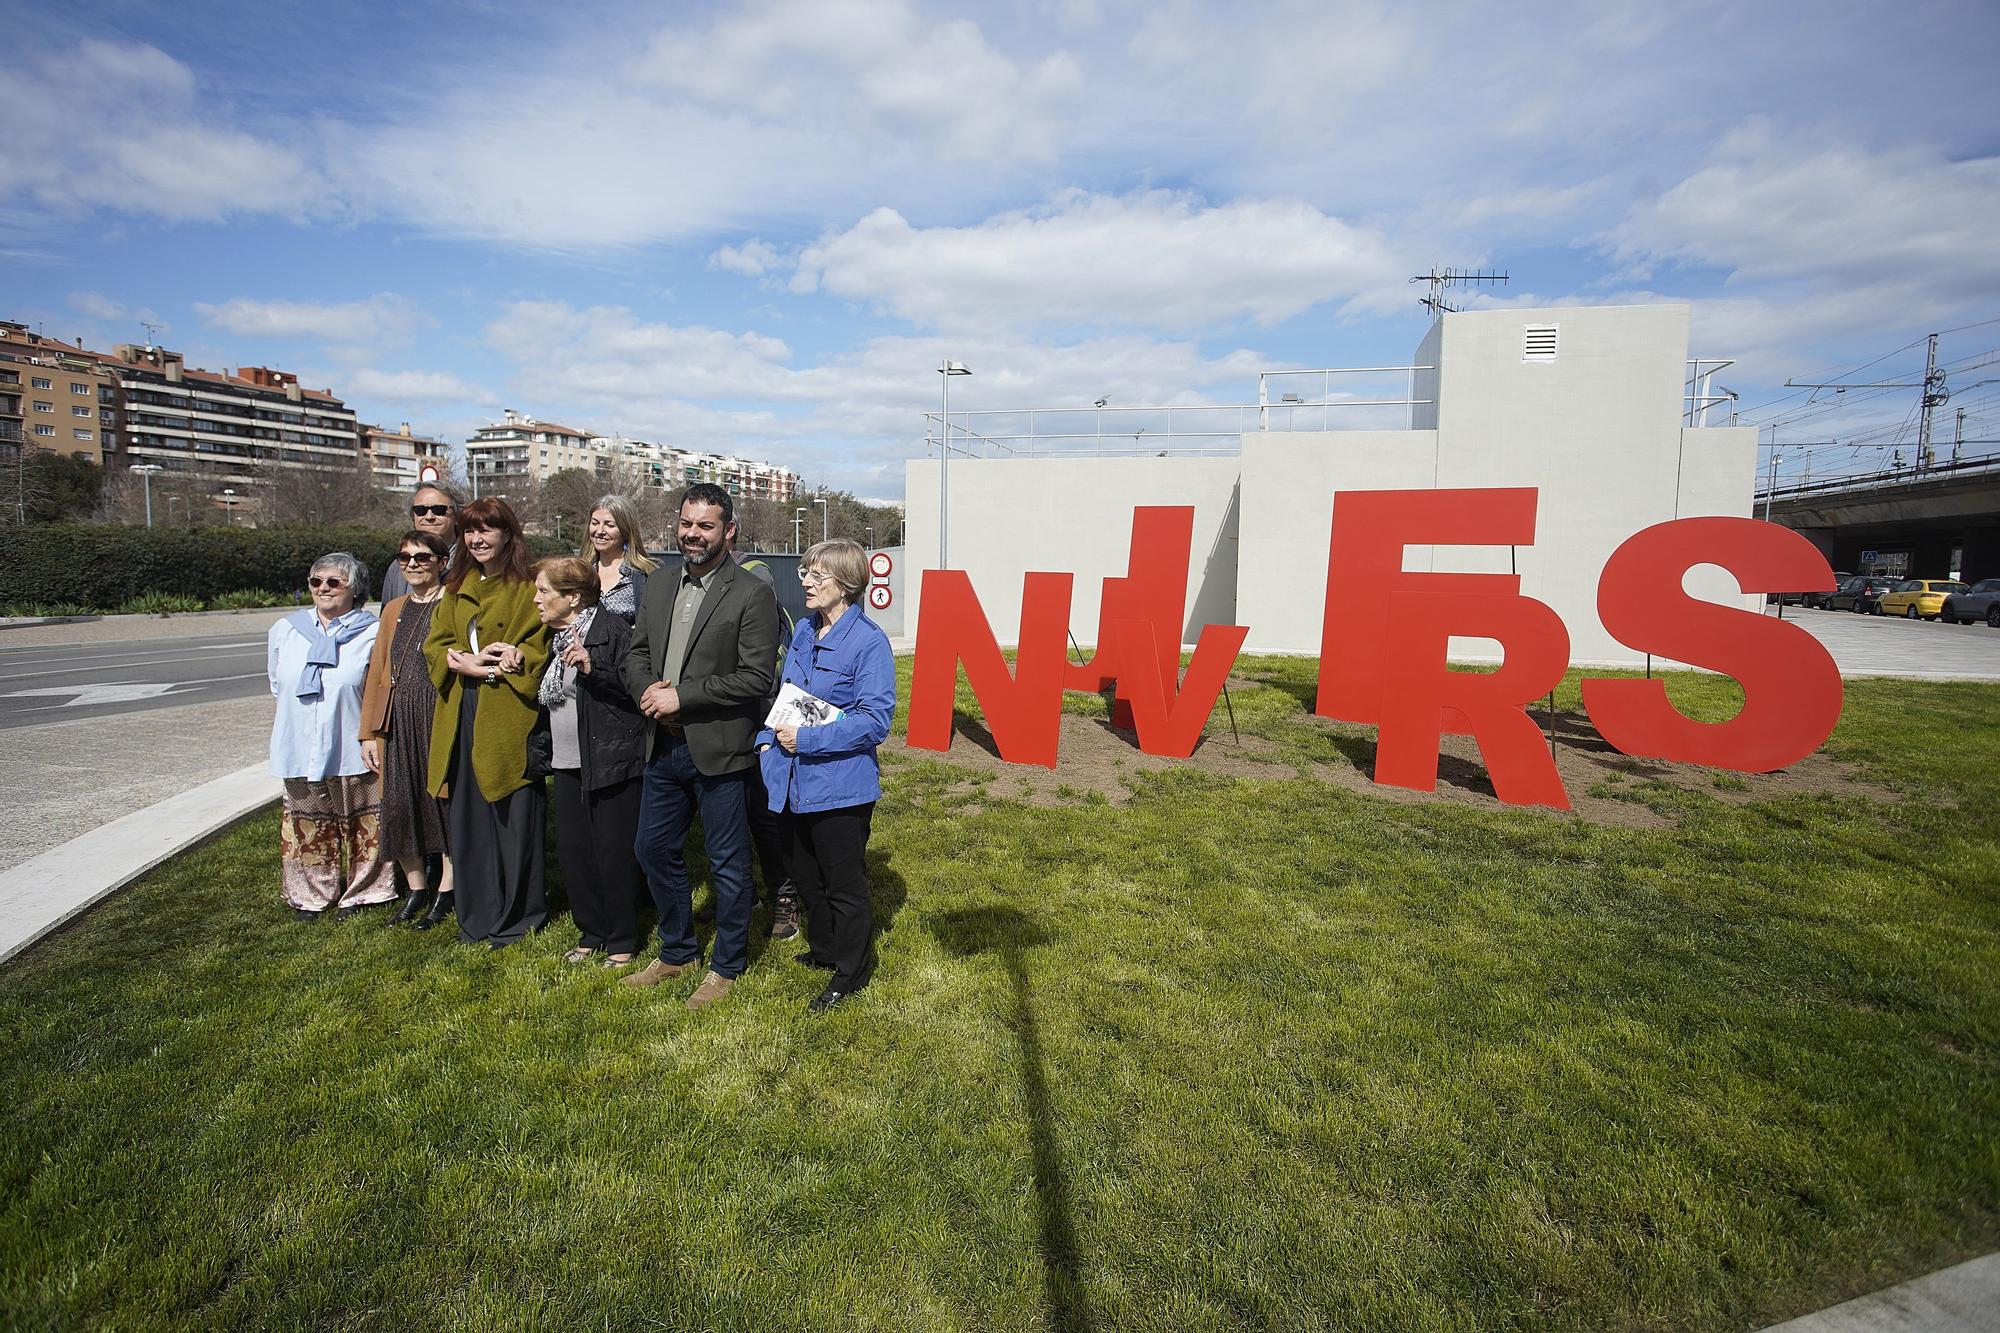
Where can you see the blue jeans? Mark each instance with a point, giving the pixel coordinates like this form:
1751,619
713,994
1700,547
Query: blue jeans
674,791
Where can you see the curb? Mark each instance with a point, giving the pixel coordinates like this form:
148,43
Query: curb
41,894
23,622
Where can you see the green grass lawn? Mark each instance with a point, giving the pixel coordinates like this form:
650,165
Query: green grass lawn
1231,1053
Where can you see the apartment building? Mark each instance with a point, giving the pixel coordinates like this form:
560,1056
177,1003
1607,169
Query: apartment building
55,396
519,449
238,427
396,459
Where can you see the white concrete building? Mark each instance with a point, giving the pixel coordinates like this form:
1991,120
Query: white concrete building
1592,405
520,448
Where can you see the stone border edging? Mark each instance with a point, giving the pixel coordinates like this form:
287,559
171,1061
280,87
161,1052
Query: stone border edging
42,893
1960,1299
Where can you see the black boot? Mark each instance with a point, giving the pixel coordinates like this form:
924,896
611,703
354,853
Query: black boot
441,911
414,904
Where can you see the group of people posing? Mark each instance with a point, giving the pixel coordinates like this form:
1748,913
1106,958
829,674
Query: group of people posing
431,740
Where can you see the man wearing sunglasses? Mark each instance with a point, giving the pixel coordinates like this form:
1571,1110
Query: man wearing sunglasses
433,509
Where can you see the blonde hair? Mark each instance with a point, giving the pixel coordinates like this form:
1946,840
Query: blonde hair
621,513
843,561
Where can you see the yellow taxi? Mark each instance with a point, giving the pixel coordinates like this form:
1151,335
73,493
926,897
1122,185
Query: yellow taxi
1918,599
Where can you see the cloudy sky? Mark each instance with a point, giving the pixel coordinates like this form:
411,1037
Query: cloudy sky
758,228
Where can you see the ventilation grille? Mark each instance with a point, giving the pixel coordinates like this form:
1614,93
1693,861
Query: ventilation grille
1538,342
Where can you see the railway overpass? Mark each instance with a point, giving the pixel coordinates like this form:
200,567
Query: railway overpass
1937,522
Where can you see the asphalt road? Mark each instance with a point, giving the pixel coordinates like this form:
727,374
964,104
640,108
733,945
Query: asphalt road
50,683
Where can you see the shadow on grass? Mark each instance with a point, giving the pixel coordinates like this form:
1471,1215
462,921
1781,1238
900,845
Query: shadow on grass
1009,933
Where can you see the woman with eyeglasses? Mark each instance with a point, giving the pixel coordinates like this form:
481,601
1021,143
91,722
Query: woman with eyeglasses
612,545
486,651
397,710
825,778
317,660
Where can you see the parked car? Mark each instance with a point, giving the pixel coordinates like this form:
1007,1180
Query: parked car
1917,599
1819,599
1859,593
1979,602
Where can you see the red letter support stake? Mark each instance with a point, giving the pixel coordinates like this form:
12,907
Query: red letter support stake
1421,692
1024,710
1791,687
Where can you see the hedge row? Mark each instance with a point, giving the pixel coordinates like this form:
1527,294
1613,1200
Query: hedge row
104,566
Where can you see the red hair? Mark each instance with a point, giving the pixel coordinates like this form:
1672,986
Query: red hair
493,514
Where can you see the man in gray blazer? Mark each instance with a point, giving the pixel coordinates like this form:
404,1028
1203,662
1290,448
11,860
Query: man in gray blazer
702,663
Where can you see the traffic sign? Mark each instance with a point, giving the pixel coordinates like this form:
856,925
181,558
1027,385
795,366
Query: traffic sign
879,596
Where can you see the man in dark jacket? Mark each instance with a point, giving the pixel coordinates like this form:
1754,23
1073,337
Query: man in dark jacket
701,664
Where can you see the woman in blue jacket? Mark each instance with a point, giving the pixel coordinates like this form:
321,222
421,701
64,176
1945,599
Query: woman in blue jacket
825,777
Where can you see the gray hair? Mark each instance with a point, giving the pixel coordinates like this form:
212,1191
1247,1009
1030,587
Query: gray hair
349,568
841,560
444,488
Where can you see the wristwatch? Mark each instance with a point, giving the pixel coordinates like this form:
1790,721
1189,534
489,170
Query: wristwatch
492,675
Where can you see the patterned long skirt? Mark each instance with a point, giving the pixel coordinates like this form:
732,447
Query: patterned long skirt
332,844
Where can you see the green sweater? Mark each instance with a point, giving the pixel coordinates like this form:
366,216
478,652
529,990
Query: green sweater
506,614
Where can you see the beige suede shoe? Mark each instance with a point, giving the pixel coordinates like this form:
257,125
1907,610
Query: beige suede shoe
711,989
655,972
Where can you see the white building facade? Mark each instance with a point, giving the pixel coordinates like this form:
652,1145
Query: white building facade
1588,404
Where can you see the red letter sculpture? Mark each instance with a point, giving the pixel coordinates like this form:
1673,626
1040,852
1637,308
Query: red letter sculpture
1023,710
1365,581
1424,697
1791,687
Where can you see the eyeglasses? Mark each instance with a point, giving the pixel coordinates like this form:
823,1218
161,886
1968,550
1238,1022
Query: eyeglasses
416,557
813,577
330,584
437,511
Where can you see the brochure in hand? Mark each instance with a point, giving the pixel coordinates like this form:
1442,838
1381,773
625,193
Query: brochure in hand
796,708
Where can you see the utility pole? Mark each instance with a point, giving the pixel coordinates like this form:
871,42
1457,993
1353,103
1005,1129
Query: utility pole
1958,437
1771,486
1934,396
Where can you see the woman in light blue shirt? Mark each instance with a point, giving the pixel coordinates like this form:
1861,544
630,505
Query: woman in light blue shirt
825,776
317,659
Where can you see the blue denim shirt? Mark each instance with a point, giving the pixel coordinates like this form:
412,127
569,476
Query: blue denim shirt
853,669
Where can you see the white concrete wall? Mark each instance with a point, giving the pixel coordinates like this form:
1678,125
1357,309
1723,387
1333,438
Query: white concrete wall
1597,430
1013,515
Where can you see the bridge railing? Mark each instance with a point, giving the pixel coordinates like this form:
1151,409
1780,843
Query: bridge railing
1863,481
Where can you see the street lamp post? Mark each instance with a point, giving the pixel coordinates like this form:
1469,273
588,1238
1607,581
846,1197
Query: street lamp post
945,371
798,529
824,534
229,503
869,528
146,471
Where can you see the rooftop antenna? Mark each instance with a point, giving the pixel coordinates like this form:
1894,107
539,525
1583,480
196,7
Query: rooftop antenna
152,333
1440,279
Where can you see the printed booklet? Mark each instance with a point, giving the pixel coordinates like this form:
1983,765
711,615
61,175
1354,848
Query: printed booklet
796,708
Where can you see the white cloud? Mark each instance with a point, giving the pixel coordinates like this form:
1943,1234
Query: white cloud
96,305
382,320
878,65
414,386
1157,260
851,419
140,138
753,258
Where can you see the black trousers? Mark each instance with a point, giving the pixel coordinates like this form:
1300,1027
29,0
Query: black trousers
830,871
772,840
595,831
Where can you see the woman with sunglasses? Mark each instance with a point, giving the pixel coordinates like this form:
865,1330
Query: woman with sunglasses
825,778
317,659
618,557
486,651
397,710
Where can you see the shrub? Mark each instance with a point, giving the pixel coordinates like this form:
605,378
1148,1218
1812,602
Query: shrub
40,609
105,565
157,604
245,599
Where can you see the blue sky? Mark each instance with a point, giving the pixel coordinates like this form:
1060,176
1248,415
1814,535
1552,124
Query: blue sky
758,228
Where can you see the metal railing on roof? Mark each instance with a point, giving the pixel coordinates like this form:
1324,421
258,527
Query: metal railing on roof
1197,429
1698,396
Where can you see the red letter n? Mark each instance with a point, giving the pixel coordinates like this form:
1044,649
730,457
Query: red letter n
1023,710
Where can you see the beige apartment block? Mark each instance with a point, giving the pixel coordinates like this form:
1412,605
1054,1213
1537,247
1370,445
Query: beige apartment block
55,397
396,459
520,450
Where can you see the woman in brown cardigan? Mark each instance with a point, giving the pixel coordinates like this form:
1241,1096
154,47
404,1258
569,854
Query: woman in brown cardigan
397,709
486,651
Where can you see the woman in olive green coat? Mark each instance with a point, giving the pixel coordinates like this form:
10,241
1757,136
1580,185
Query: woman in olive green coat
486,650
